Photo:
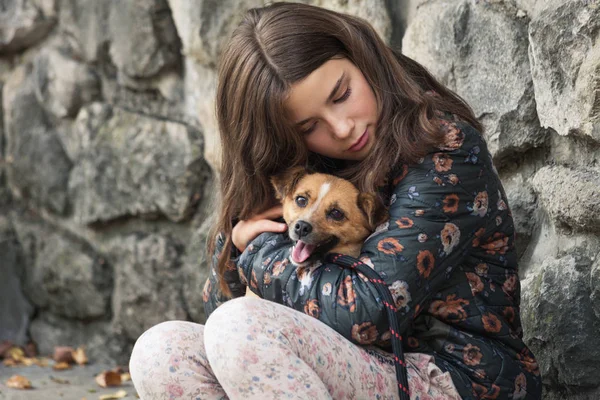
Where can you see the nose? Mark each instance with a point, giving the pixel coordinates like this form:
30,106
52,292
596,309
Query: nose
342,127
302,229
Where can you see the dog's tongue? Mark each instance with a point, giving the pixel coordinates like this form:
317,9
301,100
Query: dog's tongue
302,251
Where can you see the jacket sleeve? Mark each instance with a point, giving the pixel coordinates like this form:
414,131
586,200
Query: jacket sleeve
211,295
438,207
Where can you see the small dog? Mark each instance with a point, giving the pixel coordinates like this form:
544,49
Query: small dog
325,214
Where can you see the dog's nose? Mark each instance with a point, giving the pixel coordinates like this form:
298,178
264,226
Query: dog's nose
302,229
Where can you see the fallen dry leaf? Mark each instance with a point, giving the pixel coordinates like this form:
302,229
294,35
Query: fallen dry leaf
108,378
16,353
42,362
79,356
28,361
9,362
63,354
119,395
58,380
18,382
61,366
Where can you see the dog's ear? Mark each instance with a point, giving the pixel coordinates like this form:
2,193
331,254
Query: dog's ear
286,182
373,208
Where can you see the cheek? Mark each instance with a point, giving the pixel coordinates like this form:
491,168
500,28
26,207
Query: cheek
367,103
317,142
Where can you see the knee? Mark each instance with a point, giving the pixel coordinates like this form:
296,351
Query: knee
152,347
237,311
232,333
231,322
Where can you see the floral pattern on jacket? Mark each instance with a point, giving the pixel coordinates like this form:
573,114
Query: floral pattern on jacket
447,255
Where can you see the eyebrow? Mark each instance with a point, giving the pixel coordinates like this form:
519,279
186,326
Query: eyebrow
331,95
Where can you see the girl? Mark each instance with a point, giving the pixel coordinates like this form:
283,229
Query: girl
301,85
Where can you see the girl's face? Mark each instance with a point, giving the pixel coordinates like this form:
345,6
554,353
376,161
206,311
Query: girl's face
336,110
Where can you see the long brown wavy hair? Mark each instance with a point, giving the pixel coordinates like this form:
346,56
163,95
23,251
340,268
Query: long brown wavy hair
279,45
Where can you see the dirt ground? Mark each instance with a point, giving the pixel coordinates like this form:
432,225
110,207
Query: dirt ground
75,384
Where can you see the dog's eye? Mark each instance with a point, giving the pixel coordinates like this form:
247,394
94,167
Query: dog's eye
336,214
301,201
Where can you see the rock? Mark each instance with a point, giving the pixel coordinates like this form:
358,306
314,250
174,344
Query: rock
559,322
570,197
565,64
480,52
86,23
595,286
3,188
25,22
63,276
168,83
144,41
196,270
576,151
63,85
534,7
129,164
102,345
31,136
401,13
200,91
205,26
147,283
523,205
152,100
375,13
15,309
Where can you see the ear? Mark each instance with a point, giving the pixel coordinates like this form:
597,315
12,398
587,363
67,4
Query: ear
373,208
286,182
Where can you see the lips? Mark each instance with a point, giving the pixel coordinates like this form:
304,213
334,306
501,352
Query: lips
360,143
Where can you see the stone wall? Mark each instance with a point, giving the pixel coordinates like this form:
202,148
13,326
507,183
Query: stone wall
108,146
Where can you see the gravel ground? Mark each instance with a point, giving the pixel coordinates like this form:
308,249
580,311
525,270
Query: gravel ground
81,384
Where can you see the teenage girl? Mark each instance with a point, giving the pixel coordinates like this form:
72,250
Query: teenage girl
302,85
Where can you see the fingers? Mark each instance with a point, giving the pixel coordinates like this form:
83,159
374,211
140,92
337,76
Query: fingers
266,225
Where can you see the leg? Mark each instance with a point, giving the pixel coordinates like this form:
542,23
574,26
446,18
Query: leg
169,361
263,350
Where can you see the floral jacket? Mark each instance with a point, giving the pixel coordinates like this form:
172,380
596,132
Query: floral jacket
447,254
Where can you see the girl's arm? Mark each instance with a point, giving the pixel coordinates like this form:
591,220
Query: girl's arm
440,209
243,232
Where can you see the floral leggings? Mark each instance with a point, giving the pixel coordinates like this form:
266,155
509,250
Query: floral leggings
255,349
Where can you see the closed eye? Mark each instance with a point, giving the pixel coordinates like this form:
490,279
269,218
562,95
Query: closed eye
344,96
309,130
336,101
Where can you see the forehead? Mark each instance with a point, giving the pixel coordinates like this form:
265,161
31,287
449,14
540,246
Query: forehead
307,96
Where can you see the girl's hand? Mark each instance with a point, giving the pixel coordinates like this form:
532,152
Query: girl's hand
246,230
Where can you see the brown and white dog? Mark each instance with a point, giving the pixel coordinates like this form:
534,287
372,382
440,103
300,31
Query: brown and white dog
325,214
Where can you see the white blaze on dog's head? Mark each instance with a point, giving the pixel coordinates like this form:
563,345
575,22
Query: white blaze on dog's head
323,190
325,213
